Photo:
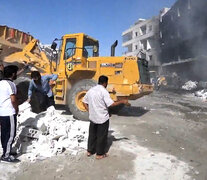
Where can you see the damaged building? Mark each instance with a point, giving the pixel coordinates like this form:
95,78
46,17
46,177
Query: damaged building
183,39
141,40
174,41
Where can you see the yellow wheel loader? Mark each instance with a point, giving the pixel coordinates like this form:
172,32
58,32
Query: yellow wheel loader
78,65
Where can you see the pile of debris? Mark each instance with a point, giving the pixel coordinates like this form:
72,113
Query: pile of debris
190,85
202,94
49,133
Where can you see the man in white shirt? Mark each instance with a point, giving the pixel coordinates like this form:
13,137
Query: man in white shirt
8,112
97,101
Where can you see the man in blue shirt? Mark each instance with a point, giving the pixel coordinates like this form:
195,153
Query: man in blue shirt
42,86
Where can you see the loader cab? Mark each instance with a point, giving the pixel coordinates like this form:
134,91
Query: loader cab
74,50
79,46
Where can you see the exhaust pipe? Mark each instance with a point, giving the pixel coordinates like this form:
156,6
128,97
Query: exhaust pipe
113,48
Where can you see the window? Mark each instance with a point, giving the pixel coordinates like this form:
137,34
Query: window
178,32
70,47
150,28
160,18
136,34
178,11
189,4
144,44
136,47
150,58
143,30
161,34
90,48
172,18
127,37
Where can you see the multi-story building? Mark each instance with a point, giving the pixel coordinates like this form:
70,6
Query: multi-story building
183,31
141,40
183,39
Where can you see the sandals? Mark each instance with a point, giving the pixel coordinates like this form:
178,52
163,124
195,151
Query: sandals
101,156
89,154
97,156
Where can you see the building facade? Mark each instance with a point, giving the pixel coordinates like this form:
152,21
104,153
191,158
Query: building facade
183,31
141,40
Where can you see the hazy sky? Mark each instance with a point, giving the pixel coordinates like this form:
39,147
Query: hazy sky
104,20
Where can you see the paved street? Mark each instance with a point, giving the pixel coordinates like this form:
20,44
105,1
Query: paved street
161,136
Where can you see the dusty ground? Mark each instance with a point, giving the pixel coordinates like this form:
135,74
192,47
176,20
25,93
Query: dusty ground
161,136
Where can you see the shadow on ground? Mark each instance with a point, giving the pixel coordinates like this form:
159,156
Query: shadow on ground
131,111
63,107
120,110
112,138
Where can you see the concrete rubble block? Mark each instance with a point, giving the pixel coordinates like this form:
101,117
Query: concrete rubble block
51,111
24,106
41,126
26,147
29,132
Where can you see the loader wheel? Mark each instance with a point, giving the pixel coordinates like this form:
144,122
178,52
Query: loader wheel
75,97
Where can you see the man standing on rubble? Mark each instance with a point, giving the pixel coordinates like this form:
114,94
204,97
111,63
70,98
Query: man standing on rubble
43,86
97,101
8,112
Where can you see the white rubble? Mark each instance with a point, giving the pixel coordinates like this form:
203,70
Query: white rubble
190,85
49,133
154,165
201,94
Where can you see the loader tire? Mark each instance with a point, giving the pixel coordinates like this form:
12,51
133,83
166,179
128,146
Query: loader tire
75,96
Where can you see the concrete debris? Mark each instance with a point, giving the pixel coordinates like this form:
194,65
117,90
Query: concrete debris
201,94
190,85
197,172
48,133
156,132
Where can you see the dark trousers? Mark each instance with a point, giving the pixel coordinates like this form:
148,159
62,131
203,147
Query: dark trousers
97,139
40,102
8,133
50,101
46,102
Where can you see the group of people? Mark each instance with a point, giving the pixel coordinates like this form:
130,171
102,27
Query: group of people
97,101
9,103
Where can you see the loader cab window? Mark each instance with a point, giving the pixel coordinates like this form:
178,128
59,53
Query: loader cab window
90,48
70,48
